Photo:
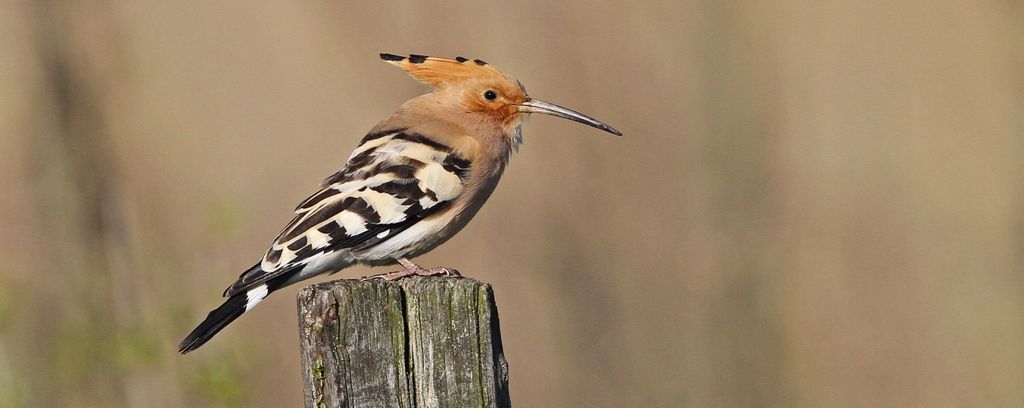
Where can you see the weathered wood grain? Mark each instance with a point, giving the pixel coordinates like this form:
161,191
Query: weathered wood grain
420,342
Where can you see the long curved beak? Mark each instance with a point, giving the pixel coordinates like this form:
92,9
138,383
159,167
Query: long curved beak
538,106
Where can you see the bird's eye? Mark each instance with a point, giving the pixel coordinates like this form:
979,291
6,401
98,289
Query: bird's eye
490,95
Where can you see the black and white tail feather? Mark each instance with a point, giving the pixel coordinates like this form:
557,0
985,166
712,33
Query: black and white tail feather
222,316
393,181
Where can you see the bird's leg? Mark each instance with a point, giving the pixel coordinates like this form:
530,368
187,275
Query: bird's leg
411,269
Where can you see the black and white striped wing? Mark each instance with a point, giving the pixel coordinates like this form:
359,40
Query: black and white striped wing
391,181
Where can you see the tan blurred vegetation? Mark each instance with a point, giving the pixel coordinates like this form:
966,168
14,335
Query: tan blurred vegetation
815,203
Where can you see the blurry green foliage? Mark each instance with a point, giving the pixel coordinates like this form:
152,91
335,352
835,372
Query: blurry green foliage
136,347
6,304
219,380
15,392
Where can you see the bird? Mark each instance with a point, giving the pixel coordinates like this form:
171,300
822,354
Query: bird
414,181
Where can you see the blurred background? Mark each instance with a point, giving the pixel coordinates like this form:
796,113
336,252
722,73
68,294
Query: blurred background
816,203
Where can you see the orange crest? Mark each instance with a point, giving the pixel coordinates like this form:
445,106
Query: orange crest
442,72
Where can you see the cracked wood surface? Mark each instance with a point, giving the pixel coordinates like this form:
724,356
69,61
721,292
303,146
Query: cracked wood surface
419,342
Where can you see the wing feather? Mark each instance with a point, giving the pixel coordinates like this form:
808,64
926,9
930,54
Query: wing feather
391,181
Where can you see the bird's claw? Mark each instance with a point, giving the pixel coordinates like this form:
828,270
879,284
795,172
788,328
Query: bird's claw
389,276
443,271
416,271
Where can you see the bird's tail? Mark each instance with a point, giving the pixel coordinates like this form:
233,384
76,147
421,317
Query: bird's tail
219,318
214,323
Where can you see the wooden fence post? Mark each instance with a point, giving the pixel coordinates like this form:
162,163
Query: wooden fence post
416,343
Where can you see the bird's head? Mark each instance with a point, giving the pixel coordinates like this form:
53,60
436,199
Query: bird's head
477,88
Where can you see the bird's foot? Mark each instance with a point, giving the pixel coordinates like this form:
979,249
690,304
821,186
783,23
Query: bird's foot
411,269
441,271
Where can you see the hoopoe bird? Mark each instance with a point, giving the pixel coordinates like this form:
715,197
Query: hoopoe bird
413,182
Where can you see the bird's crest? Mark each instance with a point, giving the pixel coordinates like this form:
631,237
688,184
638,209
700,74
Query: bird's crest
441,72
